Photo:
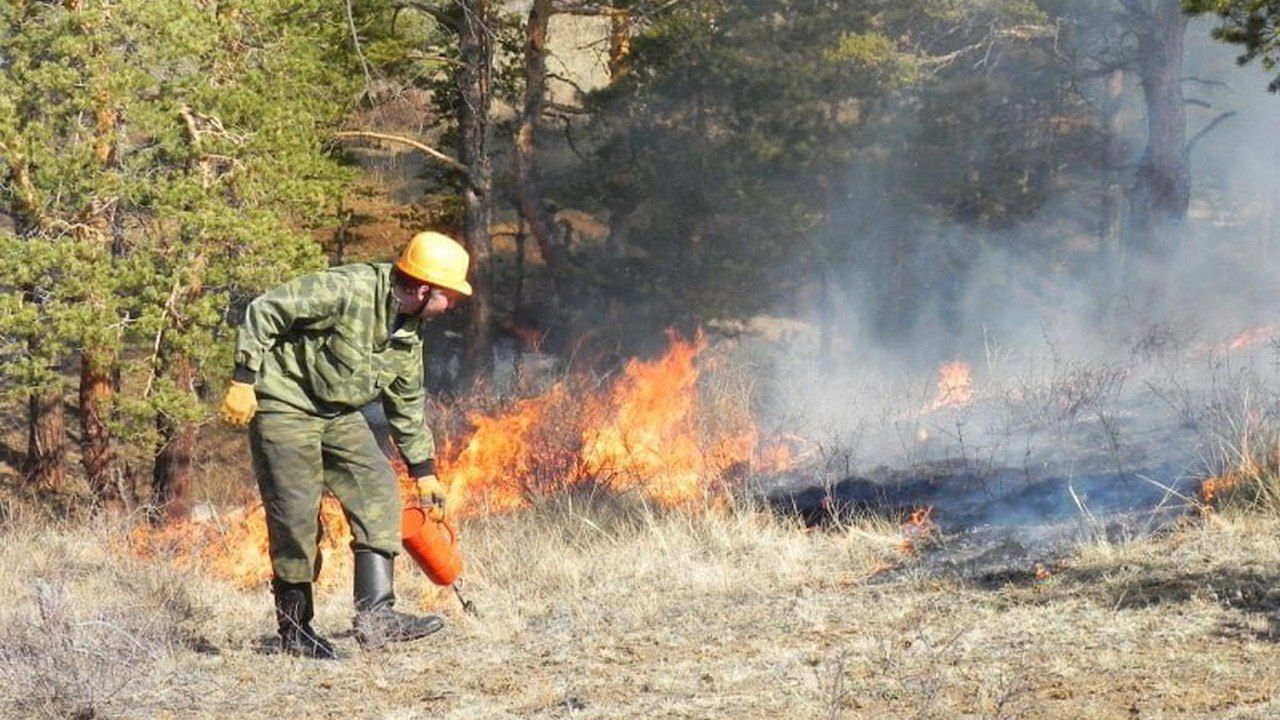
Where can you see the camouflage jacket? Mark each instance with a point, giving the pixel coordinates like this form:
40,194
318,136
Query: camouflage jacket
331,342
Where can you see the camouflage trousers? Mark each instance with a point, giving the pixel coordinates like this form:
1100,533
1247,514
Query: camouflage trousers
296,456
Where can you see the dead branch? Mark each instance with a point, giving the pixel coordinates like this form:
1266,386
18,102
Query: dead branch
435,13
190,121
576,87
1205,82
426,149
1106,69
355,41
564,109
1195,140
170,309
594,9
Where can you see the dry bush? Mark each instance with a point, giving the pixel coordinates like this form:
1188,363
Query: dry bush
83,626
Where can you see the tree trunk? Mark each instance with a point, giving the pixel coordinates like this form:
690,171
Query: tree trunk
1162,189
98,361
619,42
475,86
97,389
172,473
46,462
532,207
1109,233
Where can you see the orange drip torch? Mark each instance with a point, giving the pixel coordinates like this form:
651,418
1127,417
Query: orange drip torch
432,542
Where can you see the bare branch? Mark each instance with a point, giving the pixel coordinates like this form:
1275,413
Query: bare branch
577,88
593,9
435,13
190,121
566,109
1195,140
355,41
428,150
1205,82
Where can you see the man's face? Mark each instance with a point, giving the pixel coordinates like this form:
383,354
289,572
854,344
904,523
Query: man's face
423,300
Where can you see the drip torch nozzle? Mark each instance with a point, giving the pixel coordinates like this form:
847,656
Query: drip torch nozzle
467,606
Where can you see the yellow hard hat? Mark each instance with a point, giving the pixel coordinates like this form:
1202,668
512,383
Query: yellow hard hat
436,259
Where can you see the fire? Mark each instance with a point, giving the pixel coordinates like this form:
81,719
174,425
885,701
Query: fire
775,458
955,386
234,546
1249,338
648,433
918,531
508,456
1215,487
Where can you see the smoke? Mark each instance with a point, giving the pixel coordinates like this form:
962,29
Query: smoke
1132,373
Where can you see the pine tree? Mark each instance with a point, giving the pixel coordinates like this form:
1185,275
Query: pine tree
170,157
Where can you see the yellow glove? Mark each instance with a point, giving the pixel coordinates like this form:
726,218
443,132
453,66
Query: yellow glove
239,404
432,495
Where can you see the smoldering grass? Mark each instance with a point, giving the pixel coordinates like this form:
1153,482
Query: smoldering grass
1244,472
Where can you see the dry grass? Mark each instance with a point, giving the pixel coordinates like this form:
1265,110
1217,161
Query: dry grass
602,608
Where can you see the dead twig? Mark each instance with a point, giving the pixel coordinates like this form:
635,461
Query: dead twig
417,145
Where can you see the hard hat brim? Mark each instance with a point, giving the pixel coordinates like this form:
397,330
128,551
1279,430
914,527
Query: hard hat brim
461,286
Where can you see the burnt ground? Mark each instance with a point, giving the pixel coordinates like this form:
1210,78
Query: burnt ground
998,525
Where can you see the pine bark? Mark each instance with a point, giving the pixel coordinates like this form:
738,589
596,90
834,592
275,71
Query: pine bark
46,462
98,364
97,390
532,205
619,42
172,474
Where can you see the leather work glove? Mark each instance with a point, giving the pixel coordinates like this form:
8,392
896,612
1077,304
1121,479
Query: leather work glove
239,404
432,495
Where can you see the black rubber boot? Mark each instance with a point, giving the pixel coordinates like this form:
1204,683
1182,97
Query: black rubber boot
294,610
376,623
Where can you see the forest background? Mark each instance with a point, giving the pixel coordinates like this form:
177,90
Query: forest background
615,168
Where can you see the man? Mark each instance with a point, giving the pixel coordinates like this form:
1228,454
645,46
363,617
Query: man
309,355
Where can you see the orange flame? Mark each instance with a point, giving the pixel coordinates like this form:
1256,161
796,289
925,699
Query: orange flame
234,546
645,434
1215,487
955,386
506,458
918,531
1249,338
648,433
649,437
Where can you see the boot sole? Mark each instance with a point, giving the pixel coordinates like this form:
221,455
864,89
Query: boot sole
372,642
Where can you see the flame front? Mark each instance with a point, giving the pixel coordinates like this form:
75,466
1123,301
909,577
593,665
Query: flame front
955,386
234,546
1252,337
648,434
